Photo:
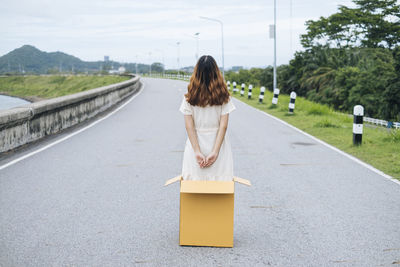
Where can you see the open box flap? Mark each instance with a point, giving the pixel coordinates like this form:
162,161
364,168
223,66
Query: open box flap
173,180
241,180
235,179
207,187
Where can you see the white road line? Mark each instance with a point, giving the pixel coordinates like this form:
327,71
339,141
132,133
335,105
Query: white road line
366,165
70,135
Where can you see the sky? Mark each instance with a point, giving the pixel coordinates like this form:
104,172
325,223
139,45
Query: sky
148,31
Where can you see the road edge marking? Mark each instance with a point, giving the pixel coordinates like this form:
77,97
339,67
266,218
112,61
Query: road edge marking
366,165
71,134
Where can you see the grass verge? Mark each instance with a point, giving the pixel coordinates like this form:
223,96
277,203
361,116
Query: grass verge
36,87
380,147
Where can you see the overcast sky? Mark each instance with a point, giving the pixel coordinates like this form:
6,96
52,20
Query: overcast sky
127,30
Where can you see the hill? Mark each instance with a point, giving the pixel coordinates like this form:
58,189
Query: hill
30,60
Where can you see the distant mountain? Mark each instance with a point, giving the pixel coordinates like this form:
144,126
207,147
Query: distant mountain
29,59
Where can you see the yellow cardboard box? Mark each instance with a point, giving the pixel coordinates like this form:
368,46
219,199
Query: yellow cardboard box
206,212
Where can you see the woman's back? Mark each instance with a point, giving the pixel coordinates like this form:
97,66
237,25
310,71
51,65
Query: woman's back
206,105
208,117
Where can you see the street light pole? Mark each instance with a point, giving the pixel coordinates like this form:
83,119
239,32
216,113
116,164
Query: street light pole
163,63
179,65
291,27
197,45
222,41
150,62
196,37
274,46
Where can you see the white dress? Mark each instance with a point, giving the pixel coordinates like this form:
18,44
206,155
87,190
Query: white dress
206,121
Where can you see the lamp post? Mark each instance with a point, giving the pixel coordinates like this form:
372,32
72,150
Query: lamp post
179,65
195,36
291,27
197,45
150,62
222,41
274,45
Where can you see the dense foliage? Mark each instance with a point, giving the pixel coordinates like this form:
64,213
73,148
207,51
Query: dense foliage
372,23
352,57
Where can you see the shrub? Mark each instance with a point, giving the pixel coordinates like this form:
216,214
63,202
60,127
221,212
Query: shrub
393,136
318,109
325,123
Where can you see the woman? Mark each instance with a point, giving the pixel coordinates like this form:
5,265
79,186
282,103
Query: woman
206,108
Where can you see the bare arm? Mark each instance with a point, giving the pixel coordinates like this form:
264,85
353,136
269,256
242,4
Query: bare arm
223,125
191,131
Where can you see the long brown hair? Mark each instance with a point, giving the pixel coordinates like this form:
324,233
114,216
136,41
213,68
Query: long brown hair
207,86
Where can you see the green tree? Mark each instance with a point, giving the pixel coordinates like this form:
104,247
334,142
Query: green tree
390,109
372,23
346,78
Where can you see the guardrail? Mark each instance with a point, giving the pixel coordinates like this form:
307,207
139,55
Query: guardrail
378,122
28,123
169,76
381,122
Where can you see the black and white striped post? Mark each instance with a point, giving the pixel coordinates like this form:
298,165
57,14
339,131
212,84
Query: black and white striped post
275,98
228,83
242,91
249,93
358,113
261,97
291,103
234,88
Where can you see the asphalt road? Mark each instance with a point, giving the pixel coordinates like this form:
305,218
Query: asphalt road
97,198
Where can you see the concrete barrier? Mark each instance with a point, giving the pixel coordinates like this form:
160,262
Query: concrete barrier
28,123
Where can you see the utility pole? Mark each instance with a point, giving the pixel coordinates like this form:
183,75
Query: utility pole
274,46
196,37
222,41
291,27
197,45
